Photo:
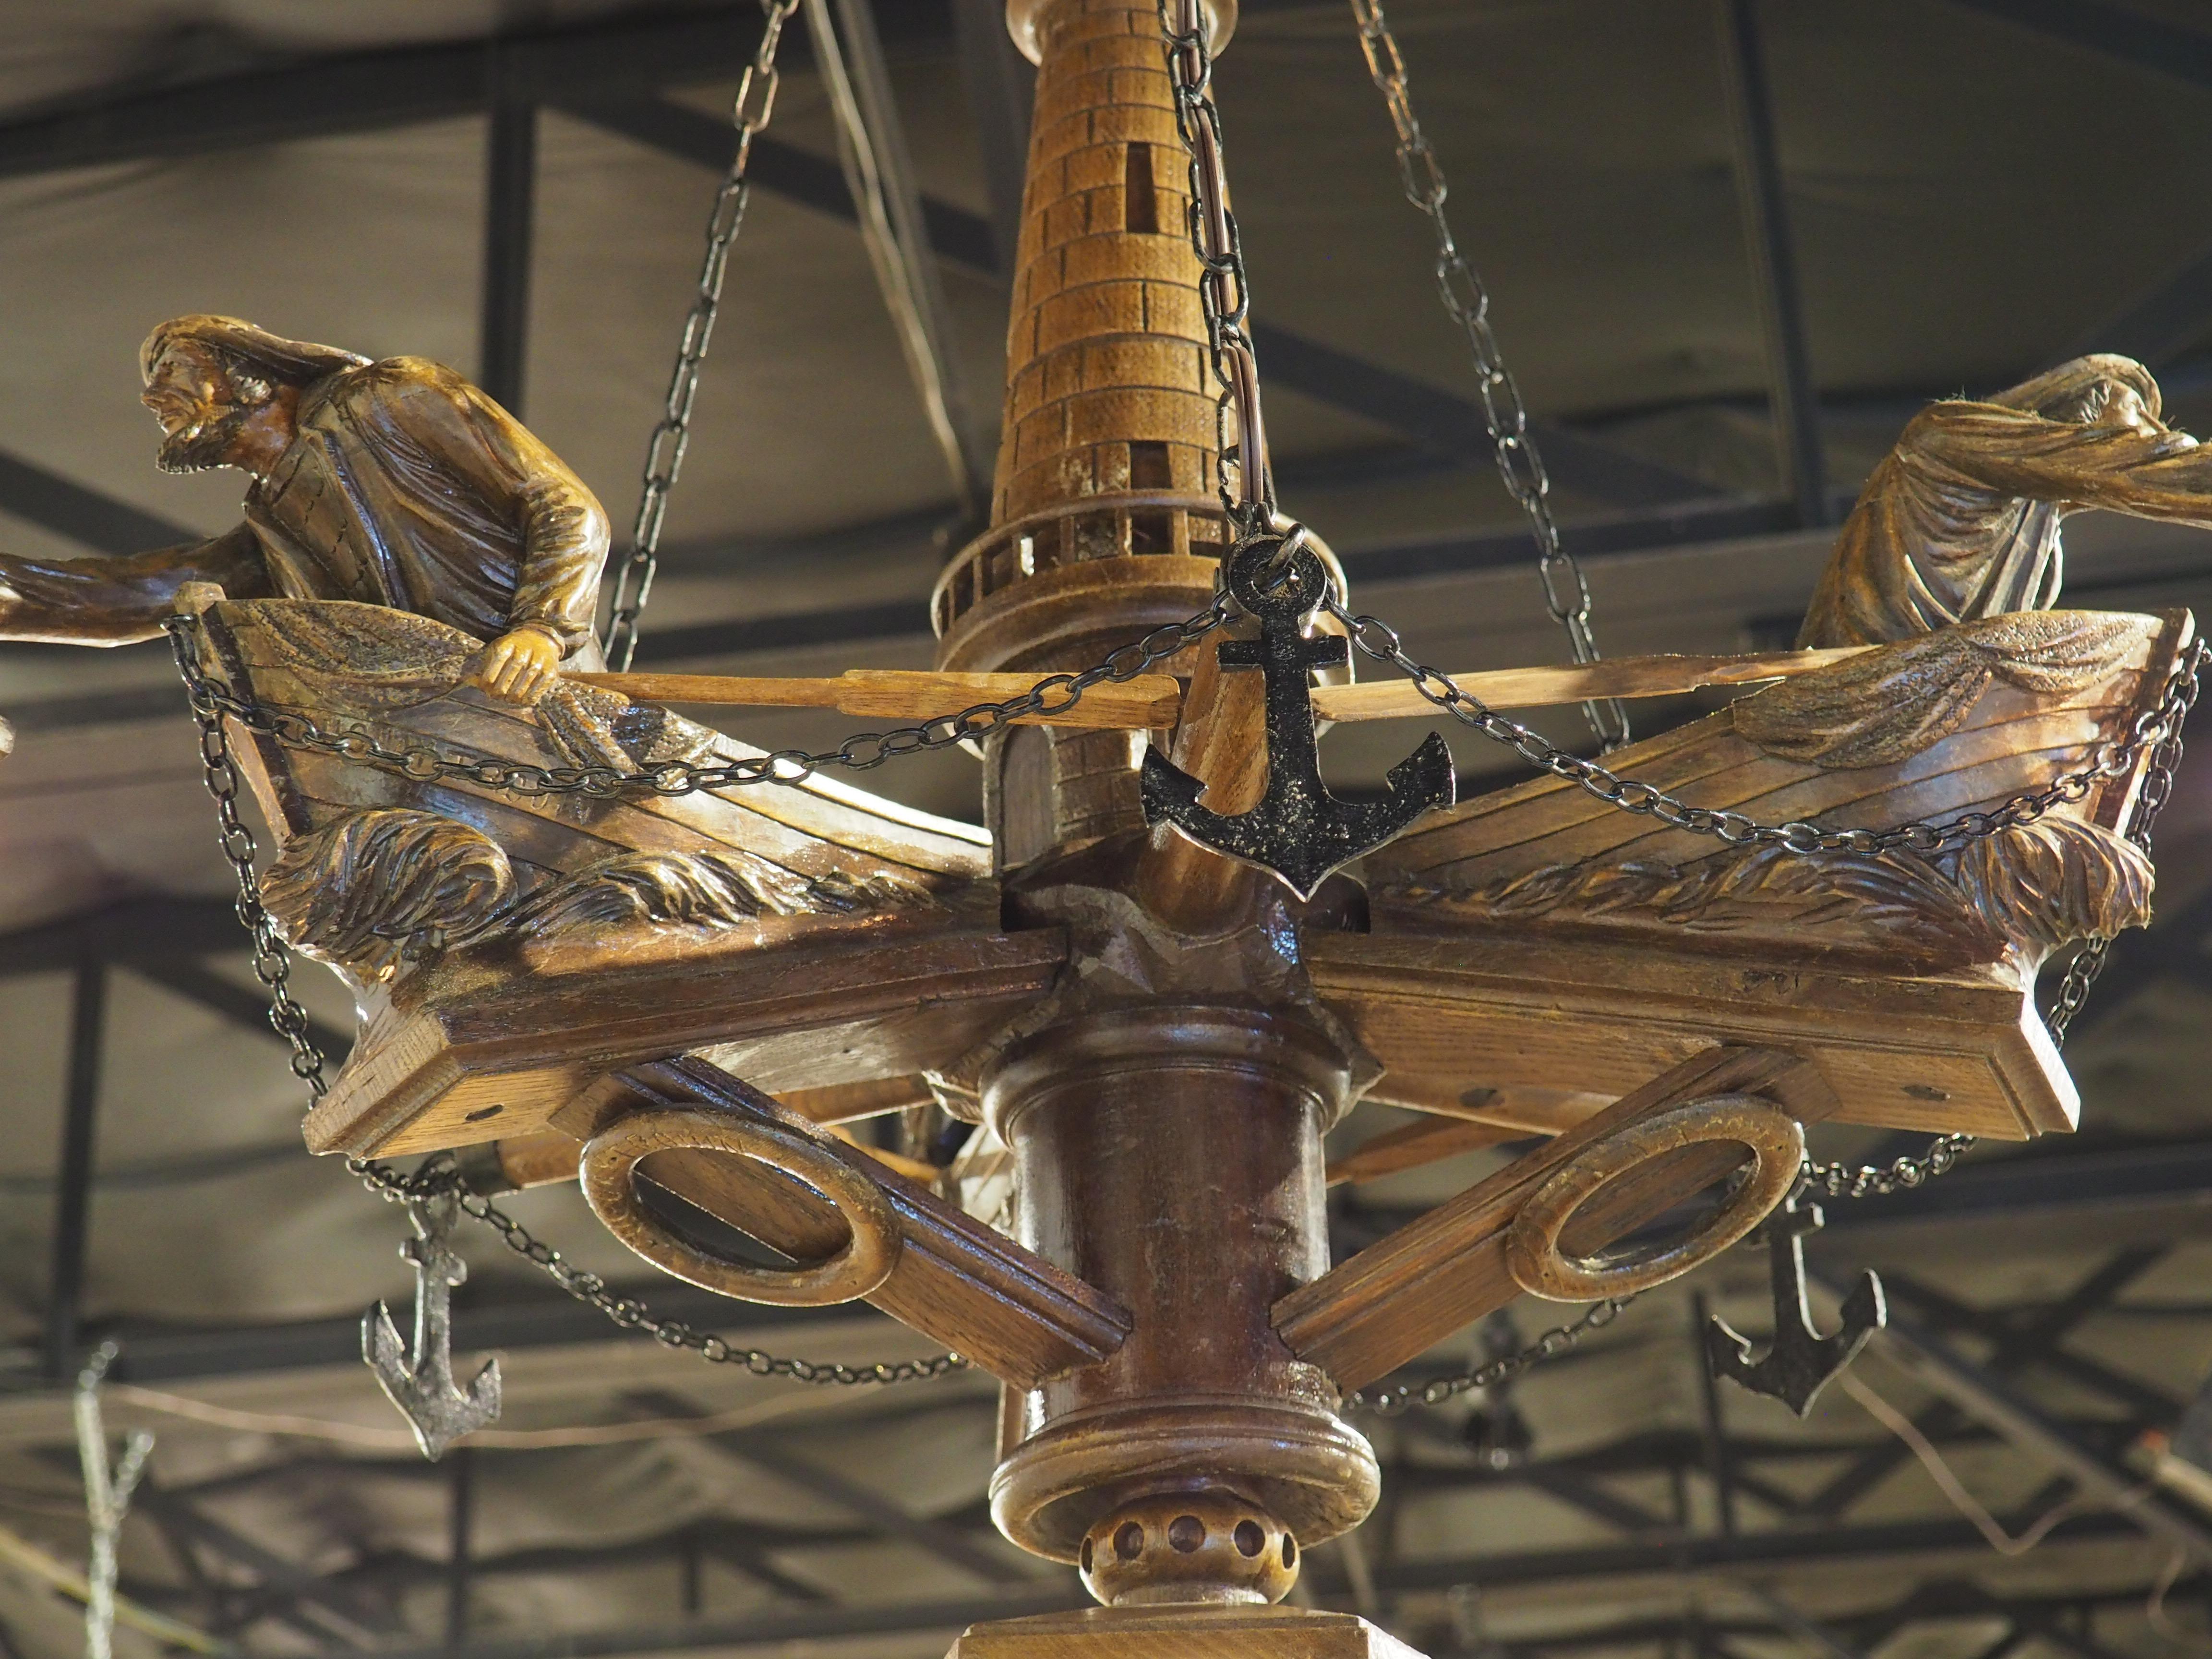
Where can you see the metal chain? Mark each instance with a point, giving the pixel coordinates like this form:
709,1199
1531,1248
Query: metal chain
1223,293
2082,969
2110,759
1054,694
272,966
1392,1403
1466,302
437,1176
749,113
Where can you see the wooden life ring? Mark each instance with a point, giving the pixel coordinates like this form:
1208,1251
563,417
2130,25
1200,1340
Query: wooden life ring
606,1174
1539,1267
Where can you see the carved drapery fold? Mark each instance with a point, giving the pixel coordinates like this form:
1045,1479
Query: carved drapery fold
1891,704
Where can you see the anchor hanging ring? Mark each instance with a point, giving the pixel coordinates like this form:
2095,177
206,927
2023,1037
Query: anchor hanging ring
1534,1257
1300,580
865,1261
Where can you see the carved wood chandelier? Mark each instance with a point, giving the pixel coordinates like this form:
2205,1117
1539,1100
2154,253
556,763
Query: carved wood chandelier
595,941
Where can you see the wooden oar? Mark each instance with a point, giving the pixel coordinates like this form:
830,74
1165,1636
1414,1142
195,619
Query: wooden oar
1148,700
1544,688
1151,701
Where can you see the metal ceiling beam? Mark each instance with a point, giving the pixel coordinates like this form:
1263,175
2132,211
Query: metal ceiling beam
392,87
1982,1395
71,1235
135,930
1000,85
2039,1183
2116,32
510,201
339,1610
41,496
764,1628
879,179
1791,1546
153,1352
771,1451
196,981
2145,1401
1449,425
2034,1334
1793,401
2157,326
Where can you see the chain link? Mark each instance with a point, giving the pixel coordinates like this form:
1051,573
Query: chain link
2111,759
749,113
272,966
1466,302
437,1176
1842,1180
1249,501
1054,694
1392,1403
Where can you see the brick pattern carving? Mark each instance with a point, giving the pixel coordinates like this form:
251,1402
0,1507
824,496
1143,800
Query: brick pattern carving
1106,348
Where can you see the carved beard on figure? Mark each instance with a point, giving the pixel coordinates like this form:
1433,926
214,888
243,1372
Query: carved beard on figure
206,443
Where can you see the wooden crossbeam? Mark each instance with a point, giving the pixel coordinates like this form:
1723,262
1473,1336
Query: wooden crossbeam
1153,702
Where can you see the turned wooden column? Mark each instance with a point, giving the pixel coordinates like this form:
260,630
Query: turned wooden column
1169,1139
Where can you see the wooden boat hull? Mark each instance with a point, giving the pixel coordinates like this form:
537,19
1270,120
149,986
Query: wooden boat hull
1538,938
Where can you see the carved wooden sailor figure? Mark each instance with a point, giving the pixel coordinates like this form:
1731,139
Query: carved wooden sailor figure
395,484
1961,520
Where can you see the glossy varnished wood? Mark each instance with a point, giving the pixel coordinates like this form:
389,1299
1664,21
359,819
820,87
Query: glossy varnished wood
1384,1306
527,1042
1016,1314
1182,1633
1447,1012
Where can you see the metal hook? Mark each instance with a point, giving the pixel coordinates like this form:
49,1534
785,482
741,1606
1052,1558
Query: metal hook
1799,1362
420,1380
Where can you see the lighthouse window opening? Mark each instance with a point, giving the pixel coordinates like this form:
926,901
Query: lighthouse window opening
1140,203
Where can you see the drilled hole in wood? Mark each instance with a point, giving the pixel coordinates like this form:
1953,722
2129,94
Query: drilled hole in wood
1926,1091
481,1113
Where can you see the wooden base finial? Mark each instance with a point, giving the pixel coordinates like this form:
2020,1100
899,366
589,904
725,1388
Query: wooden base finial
1182,1633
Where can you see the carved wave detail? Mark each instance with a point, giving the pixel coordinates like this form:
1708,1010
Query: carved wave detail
2050,883
378,889
2022,894
708,889
1891,704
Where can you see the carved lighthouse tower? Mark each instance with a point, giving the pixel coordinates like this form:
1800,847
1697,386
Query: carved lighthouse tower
1105,521
1166,1119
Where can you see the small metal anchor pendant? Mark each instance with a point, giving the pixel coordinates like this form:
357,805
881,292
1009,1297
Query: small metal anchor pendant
420,1380
1800,1362
1299,831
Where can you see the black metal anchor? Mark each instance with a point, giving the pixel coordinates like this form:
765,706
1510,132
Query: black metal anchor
1800,1362
1299,831
420,1380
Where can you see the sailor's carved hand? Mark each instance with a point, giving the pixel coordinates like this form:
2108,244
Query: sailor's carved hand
517,663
